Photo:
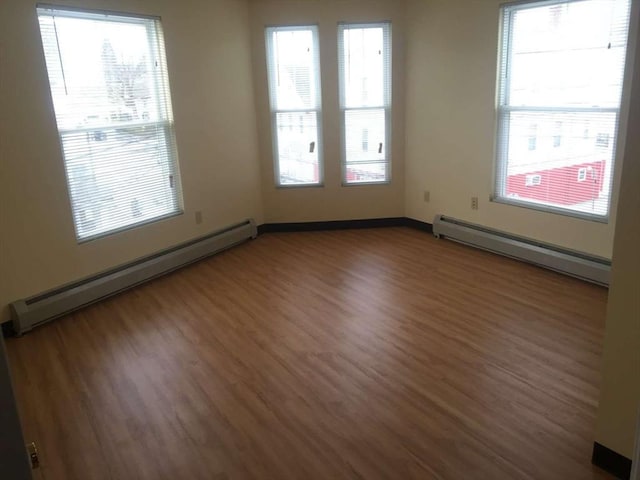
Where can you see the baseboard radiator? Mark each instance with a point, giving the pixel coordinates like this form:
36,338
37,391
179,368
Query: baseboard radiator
593,269
33,311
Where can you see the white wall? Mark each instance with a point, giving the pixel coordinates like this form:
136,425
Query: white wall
450,127
620,390
208,54
333,201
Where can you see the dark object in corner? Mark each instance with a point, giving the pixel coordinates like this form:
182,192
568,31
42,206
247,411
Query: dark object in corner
7,329
611,461
14,461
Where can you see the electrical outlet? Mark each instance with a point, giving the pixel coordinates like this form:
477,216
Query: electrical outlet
426,195
474,203
198,217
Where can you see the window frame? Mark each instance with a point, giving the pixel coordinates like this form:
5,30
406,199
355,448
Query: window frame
387,106
273,111
155,39
503,110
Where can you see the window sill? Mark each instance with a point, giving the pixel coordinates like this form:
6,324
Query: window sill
550,209
299,185
128,227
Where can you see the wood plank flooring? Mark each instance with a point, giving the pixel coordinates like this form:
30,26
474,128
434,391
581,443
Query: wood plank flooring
362,354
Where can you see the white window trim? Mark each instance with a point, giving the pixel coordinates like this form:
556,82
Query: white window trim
274,111
386,26
503,110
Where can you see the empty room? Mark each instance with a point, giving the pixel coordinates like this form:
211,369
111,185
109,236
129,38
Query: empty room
318,239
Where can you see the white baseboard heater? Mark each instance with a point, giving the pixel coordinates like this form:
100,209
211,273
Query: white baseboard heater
591,268
33,311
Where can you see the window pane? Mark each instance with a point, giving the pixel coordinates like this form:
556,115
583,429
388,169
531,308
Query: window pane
569,54
364,67
565,168
298,147
118,177
109,86
295,75
365,135
366,172
102,71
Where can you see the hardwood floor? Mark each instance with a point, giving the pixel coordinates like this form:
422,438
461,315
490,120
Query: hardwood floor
354,354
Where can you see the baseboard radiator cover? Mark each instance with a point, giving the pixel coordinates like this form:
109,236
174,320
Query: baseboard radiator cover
590,268
33,311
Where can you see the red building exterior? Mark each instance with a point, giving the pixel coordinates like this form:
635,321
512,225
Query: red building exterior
567,185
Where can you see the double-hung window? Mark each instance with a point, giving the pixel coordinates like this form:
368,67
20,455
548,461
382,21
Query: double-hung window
560,86
110,91
364,53
293,67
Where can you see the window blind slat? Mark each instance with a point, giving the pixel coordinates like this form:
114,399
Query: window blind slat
110,92
560,87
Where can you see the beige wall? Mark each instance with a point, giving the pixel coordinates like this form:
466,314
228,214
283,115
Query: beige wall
333,201
450,126
620,391
207,43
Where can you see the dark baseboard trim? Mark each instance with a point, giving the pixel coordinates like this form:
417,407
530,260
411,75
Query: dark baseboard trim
611,461
331,225
344,225
418,225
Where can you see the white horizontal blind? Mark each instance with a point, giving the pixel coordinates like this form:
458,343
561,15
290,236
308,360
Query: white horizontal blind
108,79
364,53
562,68
293,66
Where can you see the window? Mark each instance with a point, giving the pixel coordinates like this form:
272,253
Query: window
364,53
602,140
561,69
294,89
533,180
557,136
582,174
532,142
110,91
